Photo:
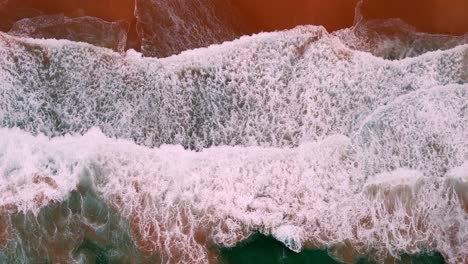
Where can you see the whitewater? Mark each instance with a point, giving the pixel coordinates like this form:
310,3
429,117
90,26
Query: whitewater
301,134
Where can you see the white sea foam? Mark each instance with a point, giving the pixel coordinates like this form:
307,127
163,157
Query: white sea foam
272,89
328,145
424,130
317,190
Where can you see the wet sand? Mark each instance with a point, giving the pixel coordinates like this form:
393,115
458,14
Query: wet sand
433,16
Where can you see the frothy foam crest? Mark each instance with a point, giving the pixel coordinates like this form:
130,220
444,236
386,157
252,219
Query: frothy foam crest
173,196
424,130
209,188
179,202
35,171
417,214
271,89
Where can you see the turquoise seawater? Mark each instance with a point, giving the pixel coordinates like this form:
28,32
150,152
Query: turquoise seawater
83,225
261,249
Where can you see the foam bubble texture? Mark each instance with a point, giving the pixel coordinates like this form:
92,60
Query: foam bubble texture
287,133
179,201
424,130
275,89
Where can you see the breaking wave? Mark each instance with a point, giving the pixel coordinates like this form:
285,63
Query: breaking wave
289,133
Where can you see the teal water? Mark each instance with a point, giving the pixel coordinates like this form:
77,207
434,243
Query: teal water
82,229
261,249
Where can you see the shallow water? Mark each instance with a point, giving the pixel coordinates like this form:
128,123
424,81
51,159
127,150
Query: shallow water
264,250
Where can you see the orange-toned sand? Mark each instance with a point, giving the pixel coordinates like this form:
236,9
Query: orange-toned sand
38,178
105,9
438,16
41,199
269,15
4,234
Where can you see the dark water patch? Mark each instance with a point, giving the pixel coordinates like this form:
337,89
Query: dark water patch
261,249
430,258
